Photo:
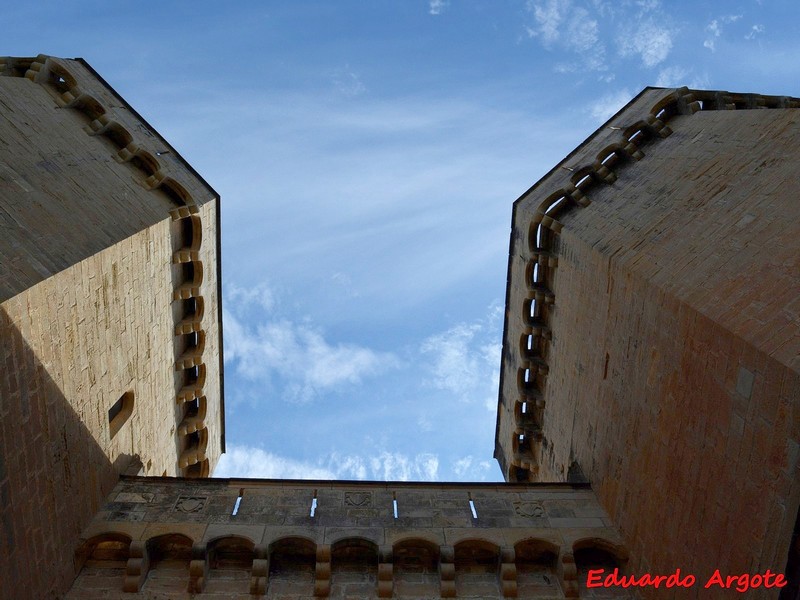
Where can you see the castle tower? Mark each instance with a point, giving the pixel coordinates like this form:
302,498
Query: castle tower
652,333
110,341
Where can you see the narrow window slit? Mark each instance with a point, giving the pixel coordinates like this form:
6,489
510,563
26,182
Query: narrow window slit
238,502
313,504
394,504
472,507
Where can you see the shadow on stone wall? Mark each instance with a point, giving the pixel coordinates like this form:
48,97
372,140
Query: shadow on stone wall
53,474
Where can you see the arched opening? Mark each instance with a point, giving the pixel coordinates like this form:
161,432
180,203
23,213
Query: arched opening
169,556
537,569
416,569
175,192
102,561
354,568
477,566
230,563
291,568
594,555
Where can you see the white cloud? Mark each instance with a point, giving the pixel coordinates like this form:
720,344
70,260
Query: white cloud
267,347
676,76
260,294
348,82
714,30
651,42
465,359
672,77
548,15
609,104
572,29
395,466
754,31
251,462
246,461
436,7
468,467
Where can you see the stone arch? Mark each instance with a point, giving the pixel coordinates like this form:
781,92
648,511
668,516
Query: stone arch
537,568
193,448
88,106
111,546
145,162
112,131
168,556
189,315
354,567
101,560
416,568
617,551
188,276
192,382
477,563
175,192
194,415
292,561
230,563
189,349
597,554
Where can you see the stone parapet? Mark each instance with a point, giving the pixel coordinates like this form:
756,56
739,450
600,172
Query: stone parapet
289,539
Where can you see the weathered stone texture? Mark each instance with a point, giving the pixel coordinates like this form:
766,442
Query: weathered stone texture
353,546
65,193
95,247
672,376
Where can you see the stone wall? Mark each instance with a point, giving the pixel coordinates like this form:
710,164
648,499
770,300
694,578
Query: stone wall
109,323
652,339
173,538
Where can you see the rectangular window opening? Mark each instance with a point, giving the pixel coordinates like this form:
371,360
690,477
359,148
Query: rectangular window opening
472,509
119,413
313,504
238,502
394,506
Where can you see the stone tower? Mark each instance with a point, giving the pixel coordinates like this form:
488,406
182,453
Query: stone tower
647,418
109,312
652,333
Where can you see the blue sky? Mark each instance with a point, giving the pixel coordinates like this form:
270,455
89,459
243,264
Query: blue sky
367,154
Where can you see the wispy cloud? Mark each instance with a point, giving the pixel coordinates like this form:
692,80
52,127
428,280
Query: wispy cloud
609,104
347,82
465,359
676,76
469,467
548,19
755,30
714,30
436,7
246,461
572,29
395,466
647,40
578,30
252,462
263,347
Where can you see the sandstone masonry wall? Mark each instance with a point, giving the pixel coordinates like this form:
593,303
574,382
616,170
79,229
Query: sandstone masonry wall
665,359
109,325
161,538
